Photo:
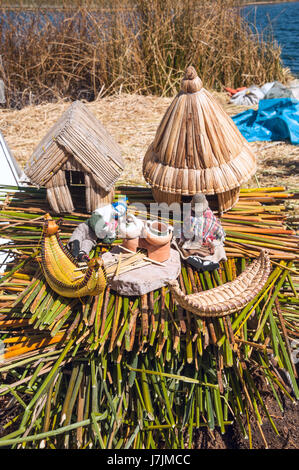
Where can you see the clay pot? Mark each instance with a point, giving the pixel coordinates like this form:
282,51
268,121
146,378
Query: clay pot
131,244
156,240
157,253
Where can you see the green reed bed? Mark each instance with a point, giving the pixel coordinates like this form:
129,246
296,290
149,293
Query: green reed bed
91,49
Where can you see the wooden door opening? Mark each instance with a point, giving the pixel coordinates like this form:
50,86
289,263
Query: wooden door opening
76,183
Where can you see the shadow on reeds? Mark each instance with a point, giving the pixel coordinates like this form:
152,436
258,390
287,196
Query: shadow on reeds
141,46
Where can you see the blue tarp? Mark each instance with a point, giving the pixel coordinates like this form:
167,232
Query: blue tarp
275,119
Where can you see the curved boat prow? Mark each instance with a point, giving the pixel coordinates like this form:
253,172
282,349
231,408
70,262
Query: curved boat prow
61,269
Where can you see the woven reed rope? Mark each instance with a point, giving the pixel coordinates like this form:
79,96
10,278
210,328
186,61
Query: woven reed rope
229,297
197,147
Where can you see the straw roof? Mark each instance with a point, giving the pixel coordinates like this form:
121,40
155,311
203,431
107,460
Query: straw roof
197,147
79,134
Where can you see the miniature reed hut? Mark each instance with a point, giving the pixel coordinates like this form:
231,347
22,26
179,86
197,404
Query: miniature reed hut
77,161
197,149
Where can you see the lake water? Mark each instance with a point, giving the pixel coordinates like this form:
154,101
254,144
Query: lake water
284,20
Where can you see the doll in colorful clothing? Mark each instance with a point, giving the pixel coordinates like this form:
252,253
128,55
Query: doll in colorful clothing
202,239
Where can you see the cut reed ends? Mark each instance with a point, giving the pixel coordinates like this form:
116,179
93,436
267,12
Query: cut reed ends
77,142
198,148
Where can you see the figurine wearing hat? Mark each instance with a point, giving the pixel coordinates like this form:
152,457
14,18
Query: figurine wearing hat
202,239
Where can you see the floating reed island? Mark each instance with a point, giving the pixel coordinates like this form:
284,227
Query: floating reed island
197,149
77,152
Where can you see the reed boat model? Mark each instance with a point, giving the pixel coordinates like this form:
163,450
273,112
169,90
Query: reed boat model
61,270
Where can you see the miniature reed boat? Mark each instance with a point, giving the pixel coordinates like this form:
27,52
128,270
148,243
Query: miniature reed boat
61,270
227,298
130,231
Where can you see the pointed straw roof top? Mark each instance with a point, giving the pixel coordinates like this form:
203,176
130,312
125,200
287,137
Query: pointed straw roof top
197,147
77,133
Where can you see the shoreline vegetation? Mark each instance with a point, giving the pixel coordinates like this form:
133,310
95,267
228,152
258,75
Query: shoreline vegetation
87,53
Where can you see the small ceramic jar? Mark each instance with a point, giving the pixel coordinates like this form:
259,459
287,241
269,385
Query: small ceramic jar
157,233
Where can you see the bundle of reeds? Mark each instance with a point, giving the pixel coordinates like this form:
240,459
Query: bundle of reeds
79,142
197,149
127,356
94,373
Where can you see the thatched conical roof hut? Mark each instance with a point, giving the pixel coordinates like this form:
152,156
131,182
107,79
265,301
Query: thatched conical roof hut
197,149
77,152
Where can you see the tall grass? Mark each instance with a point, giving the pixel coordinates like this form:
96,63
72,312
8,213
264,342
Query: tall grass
141,46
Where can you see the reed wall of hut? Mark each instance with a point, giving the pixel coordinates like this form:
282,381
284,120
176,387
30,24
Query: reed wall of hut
88,195
221,202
